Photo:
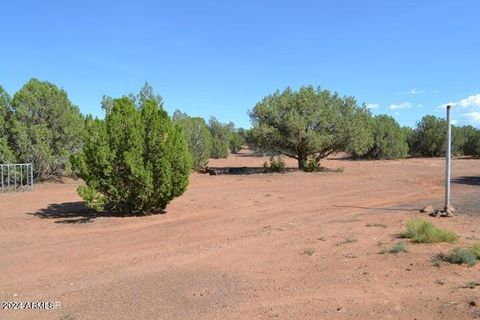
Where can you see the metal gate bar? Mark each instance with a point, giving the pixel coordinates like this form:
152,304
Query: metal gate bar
16,177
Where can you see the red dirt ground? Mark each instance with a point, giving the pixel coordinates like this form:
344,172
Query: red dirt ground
234,247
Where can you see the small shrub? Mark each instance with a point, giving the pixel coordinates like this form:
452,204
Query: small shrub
312,166
397,248
347,240
309,251
379,225
440,282
459,256
340,169
475,248
421,231
276,165
471,285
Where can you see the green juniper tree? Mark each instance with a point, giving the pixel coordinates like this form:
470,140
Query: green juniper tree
198,138
136,160
46,128
310,124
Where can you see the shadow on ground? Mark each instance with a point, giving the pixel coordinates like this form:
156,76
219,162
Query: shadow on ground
470,180
74,213
402,208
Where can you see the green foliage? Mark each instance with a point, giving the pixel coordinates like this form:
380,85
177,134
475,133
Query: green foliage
476,249
430,139
389,141
422,231
471,145
312,165
397,248
459,256
93,199
197,136
6,153
310,123
236,142
46,128
276,164
220,134
136,161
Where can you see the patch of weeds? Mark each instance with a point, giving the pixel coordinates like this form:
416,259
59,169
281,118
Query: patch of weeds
378,225
475,248
276,165
312,166
471,285
397,248
340,169
421,231
309,251
458,256
347,240
440,282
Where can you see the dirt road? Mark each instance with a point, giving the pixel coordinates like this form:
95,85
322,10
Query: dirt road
263,246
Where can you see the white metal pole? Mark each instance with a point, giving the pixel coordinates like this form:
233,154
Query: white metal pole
449,159
31,176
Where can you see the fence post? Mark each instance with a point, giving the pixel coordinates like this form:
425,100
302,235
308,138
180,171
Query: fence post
31,176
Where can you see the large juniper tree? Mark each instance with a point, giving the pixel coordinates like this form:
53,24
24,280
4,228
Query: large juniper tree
6,153
136,161
46,128
310,124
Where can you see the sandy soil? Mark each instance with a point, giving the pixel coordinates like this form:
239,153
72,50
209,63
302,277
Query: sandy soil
235,247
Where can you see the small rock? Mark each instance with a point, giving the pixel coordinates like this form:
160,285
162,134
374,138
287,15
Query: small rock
448,213
435,213
450,208
428,209
472,303
15,295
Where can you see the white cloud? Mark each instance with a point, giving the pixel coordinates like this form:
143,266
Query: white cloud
470,102
373,106
403,105
413,91
472,116
469,109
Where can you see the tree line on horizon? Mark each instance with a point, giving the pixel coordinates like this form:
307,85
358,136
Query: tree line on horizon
40,124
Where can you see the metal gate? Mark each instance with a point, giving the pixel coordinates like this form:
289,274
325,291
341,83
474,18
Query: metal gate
16,177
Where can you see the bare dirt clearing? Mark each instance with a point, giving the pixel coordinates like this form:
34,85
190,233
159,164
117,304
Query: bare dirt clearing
262,246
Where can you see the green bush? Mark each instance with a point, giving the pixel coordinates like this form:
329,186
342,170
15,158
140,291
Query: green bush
236,142
389,139
475,248
136,161
429,138
6,153
397,248
312,166
422,231
220,138
198,138
471,146
276,165
459,256
46,128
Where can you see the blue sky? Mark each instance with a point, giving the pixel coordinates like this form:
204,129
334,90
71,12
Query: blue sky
404,58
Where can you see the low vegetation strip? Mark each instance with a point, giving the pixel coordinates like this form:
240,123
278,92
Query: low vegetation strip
422,231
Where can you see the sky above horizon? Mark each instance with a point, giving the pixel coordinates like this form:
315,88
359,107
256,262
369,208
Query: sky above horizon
219,58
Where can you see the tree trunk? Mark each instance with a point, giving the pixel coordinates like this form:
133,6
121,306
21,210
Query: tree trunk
302,161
